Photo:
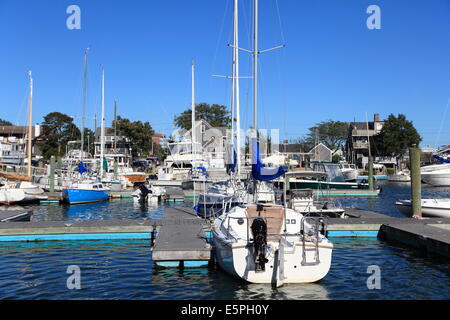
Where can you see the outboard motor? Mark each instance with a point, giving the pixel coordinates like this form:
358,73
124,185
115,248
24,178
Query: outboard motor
144,192
259,232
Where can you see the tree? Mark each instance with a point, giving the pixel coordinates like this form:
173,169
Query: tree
140,135
57,130
5,123
216,115
331,133
396,136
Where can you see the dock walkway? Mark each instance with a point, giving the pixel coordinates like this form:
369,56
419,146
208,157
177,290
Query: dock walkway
181,241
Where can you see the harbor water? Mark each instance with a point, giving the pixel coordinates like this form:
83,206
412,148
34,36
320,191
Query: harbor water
124,269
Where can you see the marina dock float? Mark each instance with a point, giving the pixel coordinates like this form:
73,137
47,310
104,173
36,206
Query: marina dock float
121,194
179,238
181,241
174,194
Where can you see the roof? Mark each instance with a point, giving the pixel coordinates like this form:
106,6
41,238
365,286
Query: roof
15,130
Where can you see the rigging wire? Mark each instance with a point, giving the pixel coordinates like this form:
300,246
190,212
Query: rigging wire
442,124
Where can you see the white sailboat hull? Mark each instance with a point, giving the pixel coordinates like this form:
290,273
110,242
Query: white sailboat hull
238,261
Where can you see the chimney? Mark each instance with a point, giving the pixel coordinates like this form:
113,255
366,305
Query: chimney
376,117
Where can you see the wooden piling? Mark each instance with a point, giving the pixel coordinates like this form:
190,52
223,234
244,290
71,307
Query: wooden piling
416,192
52,174
370,174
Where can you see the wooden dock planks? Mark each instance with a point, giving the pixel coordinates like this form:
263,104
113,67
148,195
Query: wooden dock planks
181,240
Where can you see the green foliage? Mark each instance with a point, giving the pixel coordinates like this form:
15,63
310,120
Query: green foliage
5,123
89,139
139,133
57,130
216,115
336,158
390,171
396,136
331,133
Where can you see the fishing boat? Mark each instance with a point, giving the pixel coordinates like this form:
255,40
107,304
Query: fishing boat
334,179
430,207
303,201
349,171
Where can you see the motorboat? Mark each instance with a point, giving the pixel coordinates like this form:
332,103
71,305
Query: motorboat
436,175
334,178
303,201
349,171
430,207
400,176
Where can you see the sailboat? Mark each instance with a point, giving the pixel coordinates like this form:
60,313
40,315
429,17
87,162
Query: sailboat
269,243
24,190
90,190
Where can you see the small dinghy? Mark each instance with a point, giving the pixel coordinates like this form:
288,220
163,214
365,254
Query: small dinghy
430,207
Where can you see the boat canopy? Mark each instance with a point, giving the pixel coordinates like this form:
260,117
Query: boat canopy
259,172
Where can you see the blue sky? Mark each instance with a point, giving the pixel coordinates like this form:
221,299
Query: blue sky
333,66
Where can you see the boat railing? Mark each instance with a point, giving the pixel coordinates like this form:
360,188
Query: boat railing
316,226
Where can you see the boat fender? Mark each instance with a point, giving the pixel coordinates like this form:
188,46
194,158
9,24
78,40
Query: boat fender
259,232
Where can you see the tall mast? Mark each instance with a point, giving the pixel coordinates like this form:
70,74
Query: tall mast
84,104
193,113
102,137
115,126
255,66
236,86
30,128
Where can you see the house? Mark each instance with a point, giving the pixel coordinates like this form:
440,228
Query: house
359,135
117,145
320,153
13,144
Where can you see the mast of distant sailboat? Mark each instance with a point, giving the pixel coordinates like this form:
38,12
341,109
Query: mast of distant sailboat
30,125
102,134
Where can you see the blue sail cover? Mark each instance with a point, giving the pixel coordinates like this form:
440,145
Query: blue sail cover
81,168
258,171
232,160
441,159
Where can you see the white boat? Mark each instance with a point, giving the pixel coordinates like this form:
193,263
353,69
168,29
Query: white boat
11,195
436,175
271,244
430,207
349,171
401,176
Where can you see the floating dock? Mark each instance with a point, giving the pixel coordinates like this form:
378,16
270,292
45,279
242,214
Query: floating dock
181,241
179,238
174,195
